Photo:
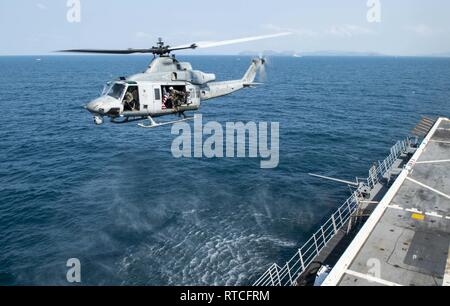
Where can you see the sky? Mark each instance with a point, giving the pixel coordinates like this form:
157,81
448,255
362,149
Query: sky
395,27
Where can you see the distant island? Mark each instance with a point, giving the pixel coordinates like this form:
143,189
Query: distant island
317,53
330,53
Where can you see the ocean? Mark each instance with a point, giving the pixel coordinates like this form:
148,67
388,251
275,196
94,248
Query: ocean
114,197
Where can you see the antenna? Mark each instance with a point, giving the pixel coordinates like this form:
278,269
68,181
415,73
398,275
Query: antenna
160,42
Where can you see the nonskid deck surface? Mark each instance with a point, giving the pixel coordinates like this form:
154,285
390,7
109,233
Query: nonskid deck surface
406,240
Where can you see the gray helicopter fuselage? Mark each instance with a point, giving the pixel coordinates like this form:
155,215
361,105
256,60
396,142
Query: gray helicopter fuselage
151,90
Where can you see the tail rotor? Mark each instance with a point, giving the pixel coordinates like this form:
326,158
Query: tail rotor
262,73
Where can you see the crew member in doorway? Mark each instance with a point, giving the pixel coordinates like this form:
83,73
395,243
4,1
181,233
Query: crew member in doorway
130,100
178,97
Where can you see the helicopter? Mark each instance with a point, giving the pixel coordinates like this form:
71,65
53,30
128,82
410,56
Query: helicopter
167,86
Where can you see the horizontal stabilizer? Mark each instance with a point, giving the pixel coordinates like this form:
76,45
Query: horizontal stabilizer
252,84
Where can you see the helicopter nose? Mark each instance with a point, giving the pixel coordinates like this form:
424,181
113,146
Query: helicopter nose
104,107
92,106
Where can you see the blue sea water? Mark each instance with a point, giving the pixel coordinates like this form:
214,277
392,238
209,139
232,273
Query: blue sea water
115,198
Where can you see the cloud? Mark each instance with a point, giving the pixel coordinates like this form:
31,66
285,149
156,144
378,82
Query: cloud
41,6
422,30
300,31
142,35
348,30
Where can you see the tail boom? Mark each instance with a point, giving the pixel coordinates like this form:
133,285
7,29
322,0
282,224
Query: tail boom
218,89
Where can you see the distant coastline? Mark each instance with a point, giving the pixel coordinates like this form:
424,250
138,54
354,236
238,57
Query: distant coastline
332,53
257,54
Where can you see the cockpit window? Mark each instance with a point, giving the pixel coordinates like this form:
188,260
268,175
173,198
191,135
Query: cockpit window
106,88
116,91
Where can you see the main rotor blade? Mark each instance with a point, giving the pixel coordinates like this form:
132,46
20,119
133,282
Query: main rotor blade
167,49
100,51
211,44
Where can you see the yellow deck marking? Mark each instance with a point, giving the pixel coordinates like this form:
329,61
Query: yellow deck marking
418,217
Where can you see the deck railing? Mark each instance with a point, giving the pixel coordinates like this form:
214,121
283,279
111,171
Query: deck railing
288,274
377,173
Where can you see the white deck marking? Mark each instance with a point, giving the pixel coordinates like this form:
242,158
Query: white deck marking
434,214
434,161
396,207
428,187
372,279
437,141
415,211
447,272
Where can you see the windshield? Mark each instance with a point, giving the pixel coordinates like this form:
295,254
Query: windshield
116,91
106,88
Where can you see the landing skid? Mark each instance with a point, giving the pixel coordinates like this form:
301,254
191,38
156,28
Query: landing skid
153,124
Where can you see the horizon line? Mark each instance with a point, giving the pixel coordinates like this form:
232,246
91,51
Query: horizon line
300,54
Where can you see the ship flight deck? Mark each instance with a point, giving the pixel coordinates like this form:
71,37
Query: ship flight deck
406,240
